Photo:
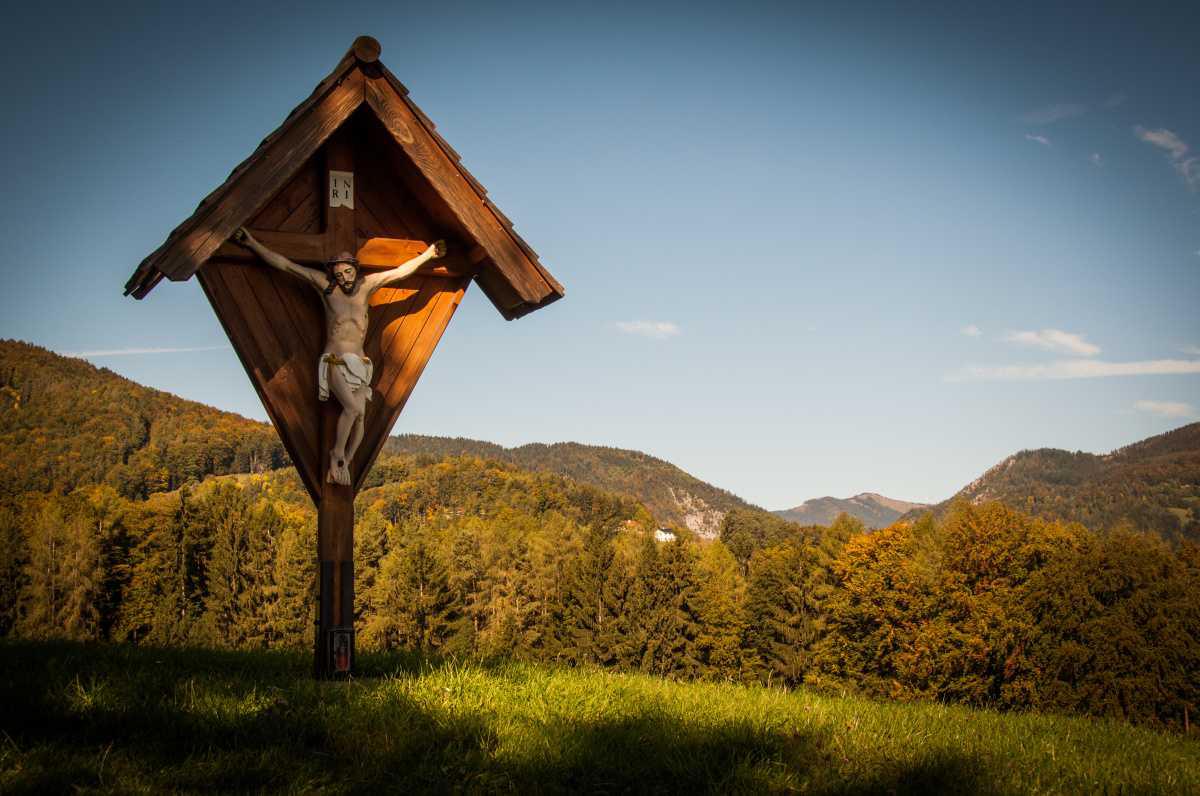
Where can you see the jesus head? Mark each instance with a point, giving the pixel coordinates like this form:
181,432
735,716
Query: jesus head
343,273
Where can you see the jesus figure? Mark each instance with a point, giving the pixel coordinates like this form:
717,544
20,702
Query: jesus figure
343,369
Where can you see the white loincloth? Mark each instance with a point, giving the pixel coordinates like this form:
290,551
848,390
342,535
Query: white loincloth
355,369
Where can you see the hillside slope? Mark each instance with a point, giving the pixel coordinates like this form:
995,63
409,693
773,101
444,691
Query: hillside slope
65,422
672,495
875,511
1152,485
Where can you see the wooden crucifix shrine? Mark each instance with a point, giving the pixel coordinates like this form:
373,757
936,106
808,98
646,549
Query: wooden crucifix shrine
356,182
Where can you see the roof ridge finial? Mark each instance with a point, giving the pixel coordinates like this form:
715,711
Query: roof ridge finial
366,49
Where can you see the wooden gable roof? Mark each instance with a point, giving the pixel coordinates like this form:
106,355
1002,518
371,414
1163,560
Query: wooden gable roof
507,268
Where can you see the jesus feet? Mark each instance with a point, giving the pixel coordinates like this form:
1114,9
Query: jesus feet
339,469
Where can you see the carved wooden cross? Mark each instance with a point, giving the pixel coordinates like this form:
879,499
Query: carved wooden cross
409,190
335,502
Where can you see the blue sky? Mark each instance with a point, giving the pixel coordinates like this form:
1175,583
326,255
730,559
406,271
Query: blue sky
807,251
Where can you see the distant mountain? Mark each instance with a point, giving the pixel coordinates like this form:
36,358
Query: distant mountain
65,422
1151,485
672,495
875,511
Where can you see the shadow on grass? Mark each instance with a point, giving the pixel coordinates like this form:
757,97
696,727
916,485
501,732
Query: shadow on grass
659,753
123,718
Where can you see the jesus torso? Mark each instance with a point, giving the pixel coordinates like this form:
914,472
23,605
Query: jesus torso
346,321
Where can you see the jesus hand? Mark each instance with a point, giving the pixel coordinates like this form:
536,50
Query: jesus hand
242,237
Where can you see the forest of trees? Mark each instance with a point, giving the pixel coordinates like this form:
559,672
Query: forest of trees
462,556
65,423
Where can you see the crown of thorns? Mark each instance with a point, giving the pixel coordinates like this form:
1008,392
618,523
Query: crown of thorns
344,257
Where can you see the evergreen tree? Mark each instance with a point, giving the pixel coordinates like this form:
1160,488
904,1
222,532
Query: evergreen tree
294,583
669,613
164,593
229,616
413,605
842,529
720,603
585,609
370,546
631,636
42,596
258,604
787,591
64,574
468,583
775,630
553,551
744,531
512,607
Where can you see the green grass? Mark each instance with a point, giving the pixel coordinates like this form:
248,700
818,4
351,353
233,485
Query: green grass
113,718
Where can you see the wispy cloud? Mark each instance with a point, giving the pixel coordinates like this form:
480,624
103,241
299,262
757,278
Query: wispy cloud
971,330
1074,369
1054,340
1166,408
1041,139
1095,159
657,330
131,352
1163,139
1177,153
1114,100
1055,113
1194,350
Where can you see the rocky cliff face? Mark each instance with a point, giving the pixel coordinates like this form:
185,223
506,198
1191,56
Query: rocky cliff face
698,515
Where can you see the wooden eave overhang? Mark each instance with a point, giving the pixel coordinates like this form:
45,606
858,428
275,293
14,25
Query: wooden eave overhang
508,269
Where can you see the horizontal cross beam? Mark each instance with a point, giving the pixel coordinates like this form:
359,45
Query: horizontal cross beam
309,248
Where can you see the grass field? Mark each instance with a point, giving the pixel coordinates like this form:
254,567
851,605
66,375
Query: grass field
122,719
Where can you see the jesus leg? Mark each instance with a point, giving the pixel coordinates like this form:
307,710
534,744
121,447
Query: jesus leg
338,464
349,420
356,435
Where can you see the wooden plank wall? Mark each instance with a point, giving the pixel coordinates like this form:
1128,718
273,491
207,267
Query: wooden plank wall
276,324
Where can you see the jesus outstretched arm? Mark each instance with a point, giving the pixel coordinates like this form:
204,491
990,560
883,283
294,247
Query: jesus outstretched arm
276,260
379,279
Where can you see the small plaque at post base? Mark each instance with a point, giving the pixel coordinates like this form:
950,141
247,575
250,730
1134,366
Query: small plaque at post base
341,651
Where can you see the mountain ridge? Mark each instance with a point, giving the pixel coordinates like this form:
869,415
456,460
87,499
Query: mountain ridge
670,493
1152,484
873,509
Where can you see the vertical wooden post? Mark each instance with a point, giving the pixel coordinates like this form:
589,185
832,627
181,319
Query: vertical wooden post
334,652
